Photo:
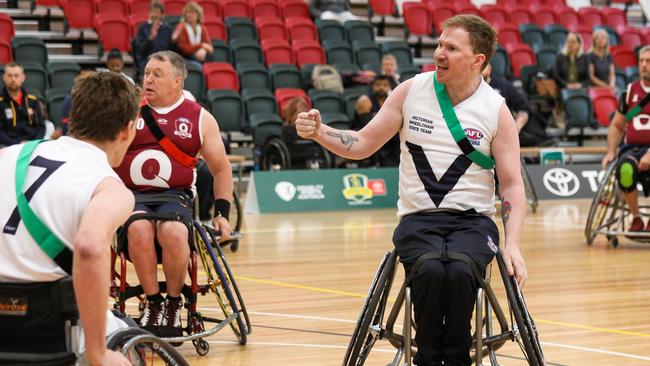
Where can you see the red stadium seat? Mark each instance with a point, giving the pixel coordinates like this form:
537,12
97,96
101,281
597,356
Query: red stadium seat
271,28
465,8
140,8
543,15
417,19
174,7
6,56
520,55
236,8
277,51
119,8
266,9
7,30
113,32
614,17
308,52
211,8
48,3
567,17
646,34
585,33
623,57
590,16
295,8
382,7
216,28
494,14
605,103
530,3
300,28
507,4
521,15
80,13
220,75
509,33
555,3
440,13
283,95
631,37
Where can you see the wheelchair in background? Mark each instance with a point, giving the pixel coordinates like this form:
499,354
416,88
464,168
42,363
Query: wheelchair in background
373,326
609,214
219,279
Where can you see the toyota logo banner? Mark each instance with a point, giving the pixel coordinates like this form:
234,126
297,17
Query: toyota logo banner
566,181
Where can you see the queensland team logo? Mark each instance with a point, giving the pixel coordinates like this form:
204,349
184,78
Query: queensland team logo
151,168
183,128
473,135
357,189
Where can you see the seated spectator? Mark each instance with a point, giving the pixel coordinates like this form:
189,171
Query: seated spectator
572,66
304,153
366,108
389,68
291,109
115,63
152,37
21,118
532,131
601,63
338,10
191,36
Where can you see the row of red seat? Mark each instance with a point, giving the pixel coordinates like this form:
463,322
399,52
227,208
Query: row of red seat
421,18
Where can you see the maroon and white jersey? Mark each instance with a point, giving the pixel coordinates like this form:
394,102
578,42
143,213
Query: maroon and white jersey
146,166
638,129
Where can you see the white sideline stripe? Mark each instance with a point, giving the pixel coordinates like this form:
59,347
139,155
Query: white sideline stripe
308,317
307,345
596,350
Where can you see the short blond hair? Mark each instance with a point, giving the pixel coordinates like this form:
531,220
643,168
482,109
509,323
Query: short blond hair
196,8
482,35
594,35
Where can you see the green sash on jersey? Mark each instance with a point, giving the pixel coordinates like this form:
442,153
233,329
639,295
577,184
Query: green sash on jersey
456,129
49,243
637,108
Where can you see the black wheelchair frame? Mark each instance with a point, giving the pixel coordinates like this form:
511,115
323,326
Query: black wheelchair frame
136,344
609,214
220,280
372,326
276,154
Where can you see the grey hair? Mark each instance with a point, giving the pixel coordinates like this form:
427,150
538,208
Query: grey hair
177,61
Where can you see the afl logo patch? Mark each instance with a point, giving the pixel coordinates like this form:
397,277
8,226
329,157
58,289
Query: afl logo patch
473,135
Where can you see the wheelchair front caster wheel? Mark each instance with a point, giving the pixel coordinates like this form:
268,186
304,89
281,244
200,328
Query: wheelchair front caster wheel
202,347
614,242
234,245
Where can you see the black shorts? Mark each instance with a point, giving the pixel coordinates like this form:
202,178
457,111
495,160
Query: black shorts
183,207
469,233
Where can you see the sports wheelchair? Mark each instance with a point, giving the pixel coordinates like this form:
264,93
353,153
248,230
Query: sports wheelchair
609,214
277,154
219,279
62,348
372,325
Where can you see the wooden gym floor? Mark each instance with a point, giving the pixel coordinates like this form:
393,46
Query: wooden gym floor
304,278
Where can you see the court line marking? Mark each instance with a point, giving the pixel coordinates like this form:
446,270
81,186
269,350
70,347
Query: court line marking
352,294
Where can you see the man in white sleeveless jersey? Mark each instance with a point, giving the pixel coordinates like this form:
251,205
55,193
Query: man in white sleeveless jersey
70,186
446,199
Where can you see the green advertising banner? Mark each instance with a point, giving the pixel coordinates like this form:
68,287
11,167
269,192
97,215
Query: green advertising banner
321,190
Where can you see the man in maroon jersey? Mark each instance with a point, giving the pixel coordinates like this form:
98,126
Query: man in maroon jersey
153,166
634,124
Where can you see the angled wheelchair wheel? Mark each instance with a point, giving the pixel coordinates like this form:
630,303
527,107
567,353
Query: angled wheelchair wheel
369,326
603,205
526,332
143,348
221,283
236,218
275,155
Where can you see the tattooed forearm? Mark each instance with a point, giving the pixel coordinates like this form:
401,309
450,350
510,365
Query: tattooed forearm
346,139
506,208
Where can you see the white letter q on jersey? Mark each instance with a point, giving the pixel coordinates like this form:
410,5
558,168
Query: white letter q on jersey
160,179
641,122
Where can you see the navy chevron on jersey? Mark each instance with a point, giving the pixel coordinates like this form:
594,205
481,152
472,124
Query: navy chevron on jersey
147,166
434,175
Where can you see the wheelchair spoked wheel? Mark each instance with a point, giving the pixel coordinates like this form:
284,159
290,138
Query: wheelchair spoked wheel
143,348
526,332
221,283
602,205
372,313
275,155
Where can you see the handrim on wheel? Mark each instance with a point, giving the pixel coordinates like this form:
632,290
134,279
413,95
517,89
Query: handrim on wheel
604,200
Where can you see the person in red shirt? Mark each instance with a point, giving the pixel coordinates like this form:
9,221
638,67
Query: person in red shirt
148,167
634,161
191,36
